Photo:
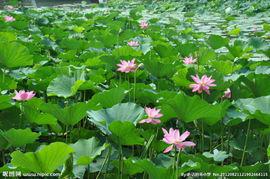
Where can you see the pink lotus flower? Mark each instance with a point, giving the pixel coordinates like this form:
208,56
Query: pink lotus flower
152,114
85,19
227,94
255,27
202,84
10,7
23,96
189,60
9,19
144,25
174,138
133,43
127,66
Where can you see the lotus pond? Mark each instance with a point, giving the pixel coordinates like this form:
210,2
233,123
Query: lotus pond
138,89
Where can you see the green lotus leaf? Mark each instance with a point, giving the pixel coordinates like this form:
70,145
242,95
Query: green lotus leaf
224,67
189,14
189,166
258,43
13,3
43,21
67,168
164,49
70,115
90,62
153,170
7,36
96,166
235,31
6,82
78,29
71,44
145,94
218,156
238,143
20,25
206,166
125,133
109,98
163,160
33,115
123,112
134,14
115,26
69,55
86,150
258,108
146,46
262,70
216,41
107,39
46,73
46,160
20,137
193,108
3,141
180,78
236,51
14,118
64,86
258,167
8,167
159,69
13,54
205,55
126,51
187,49
130,167
128,34
233,117
4,102
256,84
266,27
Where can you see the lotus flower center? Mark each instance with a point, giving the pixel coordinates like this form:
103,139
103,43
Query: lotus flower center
151,117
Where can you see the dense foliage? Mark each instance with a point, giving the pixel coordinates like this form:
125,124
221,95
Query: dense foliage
136,89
